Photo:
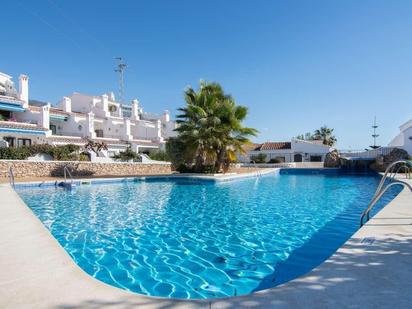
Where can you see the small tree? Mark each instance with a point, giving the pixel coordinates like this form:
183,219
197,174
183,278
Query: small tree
96,147
305,137
260,158
159,155
127,155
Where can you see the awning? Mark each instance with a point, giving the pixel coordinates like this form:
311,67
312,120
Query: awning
22,131
11,107
58,117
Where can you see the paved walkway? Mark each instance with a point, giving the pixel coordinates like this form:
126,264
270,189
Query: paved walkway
372,270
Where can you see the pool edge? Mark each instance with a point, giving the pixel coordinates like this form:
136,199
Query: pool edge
35,266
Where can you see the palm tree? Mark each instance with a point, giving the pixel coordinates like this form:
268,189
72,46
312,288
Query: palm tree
211,126
325,134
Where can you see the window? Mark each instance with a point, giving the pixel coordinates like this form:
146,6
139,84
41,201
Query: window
5,115
99,133
23,142
10,140
53,129
315,158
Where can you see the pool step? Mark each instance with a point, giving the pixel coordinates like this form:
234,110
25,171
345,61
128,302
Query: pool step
67,185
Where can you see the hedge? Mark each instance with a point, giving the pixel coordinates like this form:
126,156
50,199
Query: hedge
67,152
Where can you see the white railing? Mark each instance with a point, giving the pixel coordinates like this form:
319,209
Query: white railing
390,174
366,154
11,177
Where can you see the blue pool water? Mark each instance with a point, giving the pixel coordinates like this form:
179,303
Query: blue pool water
196,239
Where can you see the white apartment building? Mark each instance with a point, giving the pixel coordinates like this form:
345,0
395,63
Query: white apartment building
293,151
404,139
78,118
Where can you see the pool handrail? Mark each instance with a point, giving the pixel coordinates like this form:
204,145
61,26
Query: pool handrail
376,199
381,189
66,172
11,177
391,176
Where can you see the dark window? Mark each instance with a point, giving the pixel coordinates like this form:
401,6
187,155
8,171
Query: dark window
53,129
99,133
23,142
298,158
11,140
315,158
5,115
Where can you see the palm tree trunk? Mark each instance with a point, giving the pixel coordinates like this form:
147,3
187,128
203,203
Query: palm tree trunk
220,158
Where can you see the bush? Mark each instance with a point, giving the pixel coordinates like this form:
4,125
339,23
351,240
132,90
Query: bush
60,153
159,155
84,156
127,155
260,158
275,160
180,155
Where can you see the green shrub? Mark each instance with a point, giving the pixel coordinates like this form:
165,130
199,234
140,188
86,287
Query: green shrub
60,153
275,160
127,155
159,155
260,158
84,156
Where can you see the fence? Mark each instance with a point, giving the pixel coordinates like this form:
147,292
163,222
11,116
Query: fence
366,154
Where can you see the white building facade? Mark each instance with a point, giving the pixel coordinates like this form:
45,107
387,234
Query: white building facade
293,151
78,118
404,139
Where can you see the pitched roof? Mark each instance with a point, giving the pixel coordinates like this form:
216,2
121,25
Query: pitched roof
273,146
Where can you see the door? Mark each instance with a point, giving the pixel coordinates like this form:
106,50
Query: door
297,157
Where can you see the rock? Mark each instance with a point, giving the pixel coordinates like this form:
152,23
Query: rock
383,161
332,159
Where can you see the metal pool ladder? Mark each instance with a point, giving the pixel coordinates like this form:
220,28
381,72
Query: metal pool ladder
390,174
66,173
11,177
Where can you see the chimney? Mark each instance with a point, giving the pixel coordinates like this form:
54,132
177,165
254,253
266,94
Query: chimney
166,116
24,89
66,105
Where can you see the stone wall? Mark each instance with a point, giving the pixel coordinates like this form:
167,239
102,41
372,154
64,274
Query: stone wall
78,168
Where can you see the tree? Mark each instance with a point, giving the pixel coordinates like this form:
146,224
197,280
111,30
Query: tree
96,147
210,128
159,155
127,155
305,137
325,134
260,158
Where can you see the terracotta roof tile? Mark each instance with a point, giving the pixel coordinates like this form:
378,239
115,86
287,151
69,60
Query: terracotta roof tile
58,111
274,146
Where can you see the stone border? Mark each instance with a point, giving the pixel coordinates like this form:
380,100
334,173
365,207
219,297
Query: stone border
37,272
82,168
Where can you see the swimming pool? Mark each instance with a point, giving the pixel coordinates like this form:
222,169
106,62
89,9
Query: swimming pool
186,238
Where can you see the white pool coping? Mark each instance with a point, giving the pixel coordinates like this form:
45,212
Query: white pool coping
373,269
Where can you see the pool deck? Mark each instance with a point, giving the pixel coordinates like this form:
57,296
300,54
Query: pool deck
373,269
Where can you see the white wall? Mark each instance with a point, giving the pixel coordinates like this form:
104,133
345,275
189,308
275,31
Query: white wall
402,140
272,154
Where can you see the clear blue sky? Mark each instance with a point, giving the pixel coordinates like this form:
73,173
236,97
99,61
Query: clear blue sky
296,64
